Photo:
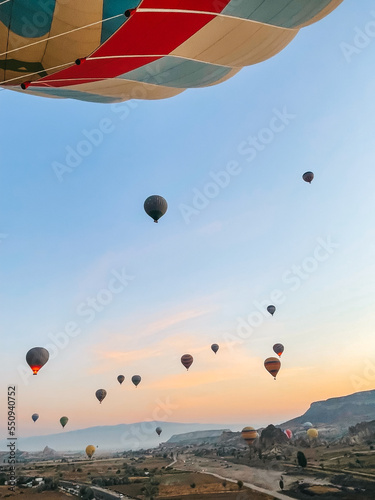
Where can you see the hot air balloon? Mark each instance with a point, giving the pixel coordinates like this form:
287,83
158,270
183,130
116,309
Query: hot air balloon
189,43
308,177
288,433
37,357
158,430
249,434
307,425
215,348
312,433
187,360
271,309
136,379
278,349
155,206
64,421
272,365
121,378
35,417
100,395
90,450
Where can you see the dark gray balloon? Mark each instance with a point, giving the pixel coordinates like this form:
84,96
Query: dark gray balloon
215,348
308,177
100,395
136,379
35,417
36,358
271,309
121,378
155,206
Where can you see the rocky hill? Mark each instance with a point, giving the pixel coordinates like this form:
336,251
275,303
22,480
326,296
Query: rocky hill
361,433
198,437
341,412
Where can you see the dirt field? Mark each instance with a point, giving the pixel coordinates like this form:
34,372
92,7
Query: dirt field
177,484
32,494
244,495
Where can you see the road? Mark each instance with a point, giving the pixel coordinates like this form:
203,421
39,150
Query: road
100,493
264,478
275,494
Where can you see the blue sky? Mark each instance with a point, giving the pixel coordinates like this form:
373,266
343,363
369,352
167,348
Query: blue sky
191,282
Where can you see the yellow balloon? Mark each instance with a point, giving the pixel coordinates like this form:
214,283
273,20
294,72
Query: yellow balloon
249,434
90,450
312,433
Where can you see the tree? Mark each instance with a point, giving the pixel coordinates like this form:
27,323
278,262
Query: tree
302,462
192,485
239,484
150,491
86,493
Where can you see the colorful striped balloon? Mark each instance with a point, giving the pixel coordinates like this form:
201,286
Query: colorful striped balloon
249,434
272,365
114,50
288,433
187,360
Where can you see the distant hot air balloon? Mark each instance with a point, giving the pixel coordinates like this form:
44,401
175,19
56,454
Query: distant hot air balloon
308,177
215,348
100,395
35,417
90,450
155,206
64,421
36,358
271,309
158,430
288,433
121,378
249,434
272,365
187,360
307,425
136,379
312,433
278,349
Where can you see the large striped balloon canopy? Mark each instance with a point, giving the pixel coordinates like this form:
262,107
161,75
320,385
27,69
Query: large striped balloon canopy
114,50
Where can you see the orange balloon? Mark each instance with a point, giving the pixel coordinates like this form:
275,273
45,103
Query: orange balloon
272,365
249,434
